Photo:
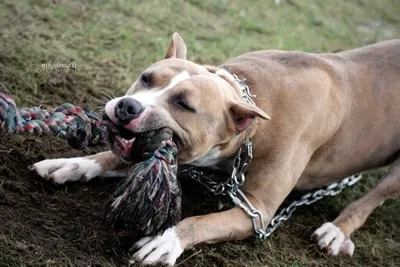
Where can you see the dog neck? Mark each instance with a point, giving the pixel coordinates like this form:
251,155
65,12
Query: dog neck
231,148
242,92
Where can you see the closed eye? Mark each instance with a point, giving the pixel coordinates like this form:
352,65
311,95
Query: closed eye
185,106
145,79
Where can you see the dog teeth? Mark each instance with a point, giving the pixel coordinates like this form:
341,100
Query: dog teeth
128,141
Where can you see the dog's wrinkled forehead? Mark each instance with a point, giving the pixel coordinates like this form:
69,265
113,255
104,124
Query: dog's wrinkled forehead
165,73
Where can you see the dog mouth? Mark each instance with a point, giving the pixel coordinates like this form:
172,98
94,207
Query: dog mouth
135,146
121,141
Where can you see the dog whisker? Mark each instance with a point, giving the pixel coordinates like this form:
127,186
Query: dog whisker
102,102
107,96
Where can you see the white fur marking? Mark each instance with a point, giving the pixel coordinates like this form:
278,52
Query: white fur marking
209,159
330,237
165,248
71,169
150,97
131,89
146,98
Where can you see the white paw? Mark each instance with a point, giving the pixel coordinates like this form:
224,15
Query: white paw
331,238
72,169
165,248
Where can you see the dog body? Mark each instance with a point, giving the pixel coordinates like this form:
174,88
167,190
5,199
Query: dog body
325,101
317,119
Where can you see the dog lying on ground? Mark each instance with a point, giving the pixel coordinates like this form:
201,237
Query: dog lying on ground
317,118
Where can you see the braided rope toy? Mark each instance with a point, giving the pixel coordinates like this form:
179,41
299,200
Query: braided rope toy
154,178
148,201
81,127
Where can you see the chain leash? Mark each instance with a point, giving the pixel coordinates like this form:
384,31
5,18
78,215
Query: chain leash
231,186
308,199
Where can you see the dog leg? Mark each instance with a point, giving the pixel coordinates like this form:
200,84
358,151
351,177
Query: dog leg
232,224
62,170
261,188
335,236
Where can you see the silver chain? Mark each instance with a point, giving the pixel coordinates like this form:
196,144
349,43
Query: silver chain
308,199
231,186
236,178
244,90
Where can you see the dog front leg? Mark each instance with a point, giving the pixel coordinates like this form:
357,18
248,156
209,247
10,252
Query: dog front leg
232,224
62,170
266,187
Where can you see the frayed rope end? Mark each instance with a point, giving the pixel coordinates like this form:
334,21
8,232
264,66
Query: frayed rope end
149,200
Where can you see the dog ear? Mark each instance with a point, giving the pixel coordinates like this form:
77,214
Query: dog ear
243,114
177,48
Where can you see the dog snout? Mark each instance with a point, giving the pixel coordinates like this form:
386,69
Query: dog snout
127,109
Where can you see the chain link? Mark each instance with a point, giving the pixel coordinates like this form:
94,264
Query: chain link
308,199
237,177
231,186
245,89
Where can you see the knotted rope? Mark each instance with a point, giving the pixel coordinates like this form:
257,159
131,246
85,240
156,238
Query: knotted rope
148,201
159,206
81,127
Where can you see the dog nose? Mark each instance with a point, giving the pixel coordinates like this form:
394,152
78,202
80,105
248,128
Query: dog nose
127,109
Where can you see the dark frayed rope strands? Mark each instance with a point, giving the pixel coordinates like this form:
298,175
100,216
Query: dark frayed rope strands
148,201
155,180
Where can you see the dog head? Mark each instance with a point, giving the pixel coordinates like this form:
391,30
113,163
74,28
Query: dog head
203,108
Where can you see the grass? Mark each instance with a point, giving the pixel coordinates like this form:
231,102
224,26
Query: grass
113,41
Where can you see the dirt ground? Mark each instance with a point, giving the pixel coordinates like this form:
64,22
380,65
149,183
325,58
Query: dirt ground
42,221
48,225
42,224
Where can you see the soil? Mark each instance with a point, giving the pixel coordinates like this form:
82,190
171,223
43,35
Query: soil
42,221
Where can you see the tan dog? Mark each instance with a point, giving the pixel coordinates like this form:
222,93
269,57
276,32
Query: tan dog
331,115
